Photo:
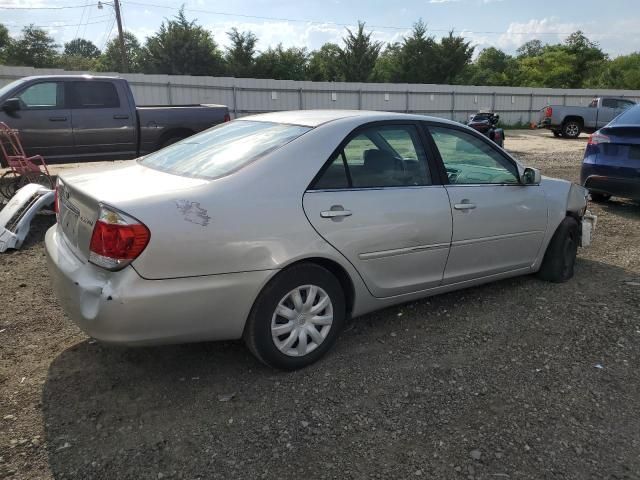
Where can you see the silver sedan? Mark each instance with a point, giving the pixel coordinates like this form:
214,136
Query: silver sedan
279,228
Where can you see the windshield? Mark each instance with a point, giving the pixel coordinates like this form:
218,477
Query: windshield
223,149
628,117
8,87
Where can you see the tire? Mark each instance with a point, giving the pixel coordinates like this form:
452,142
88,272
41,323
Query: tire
571,129
600,197
277,296
560,257
556,133
10,183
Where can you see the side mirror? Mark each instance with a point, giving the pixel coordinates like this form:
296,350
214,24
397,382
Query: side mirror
11,105
531,176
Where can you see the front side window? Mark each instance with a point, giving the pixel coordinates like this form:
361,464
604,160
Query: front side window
223,149
42,95
470,160
382,156
94,95
624,104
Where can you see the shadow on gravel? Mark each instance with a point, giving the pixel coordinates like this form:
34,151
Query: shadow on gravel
383,403
624,208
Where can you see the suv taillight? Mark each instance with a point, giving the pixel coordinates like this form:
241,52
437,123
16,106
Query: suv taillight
227,117
597,138
548,112
117,239
56,199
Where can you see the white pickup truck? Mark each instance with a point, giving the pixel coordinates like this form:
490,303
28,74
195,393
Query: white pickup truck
569,122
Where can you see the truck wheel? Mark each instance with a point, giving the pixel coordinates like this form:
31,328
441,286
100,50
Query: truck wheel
571,129
560,257
557,133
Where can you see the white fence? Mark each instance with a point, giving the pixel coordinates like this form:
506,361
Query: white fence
245,96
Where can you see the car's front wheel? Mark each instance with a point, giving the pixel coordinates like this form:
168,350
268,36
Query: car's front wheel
560,257
296,318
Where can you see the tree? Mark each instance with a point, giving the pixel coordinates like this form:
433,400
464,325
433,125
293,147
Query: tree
181,47
493,67
388,68
589,59
282,64
553,68
418,56
35,48
532,48
79,47
359,54
622,72
240,56
453,55
5,40
111,58
324,64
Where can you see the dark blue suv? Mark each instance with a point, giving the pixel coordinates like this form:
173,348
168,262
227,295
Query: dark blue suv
611,165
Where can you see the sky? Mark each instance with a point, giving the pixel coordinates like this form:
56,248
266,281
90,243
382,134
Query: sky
505,24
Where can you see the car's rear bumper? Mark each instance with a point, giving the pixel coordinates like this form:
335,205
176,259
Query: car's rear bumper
544,123
122,307
616,186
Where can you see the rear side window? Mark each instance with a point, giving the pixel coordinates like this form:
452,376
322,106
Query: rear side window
382,156
223,149
94,95
609,103
630,116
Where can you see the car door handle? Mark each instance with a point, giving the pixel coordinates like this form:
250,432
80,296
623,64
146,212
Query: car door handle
57,119
464,206
335,213
120,117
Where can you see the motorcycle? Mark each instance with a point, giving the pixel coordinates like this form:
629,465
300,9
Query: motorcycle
486,122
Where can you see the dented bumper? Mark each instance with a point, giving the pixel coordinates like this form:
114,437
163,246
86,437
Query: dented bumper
122,307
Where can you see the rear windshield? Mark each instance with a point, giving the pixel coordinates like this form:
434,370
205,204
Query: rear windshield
223,149
628,117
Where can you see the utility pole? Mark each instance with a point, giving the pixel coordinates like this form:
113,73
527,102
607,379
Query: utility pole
123,52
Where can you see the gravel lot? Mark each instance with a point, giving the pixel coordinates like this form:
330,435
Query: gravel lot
516,379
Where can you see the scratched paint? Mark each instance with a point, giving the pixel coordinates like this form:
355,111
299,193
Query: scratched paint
193,212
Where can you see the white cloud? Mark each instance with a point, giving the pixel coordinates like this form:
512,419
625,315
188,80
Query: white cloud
443,1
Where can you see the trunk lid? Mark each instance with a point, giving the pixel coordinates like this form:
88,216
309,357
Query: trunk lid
81,192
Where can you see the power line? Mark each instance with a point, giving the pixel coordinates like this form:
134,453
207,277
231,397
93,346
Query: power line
81,17
60,25
47,8
316,22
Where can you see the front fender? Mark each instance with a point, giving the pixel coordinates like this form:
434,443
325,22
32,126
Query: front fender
563,198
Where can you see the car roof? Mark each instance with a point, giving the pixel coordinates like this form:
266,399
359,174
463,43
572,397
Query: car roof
314,118
67,77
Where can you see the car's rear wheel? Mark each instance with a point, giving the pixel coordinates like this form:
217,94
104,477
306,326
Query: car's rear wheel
296,318
560,257
600,197
571,129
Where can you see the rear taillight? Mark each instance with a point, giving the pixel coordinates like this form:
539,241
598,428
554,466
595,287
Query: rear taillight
227,117
597,138
548,112
117,239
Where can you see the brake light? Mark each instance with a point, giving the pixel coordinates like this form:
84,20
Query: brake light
548,112
596,138
117,239
227,117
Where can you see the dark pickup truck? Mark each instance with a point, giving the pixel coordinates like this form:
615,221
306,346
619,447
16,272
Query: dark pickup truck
71,118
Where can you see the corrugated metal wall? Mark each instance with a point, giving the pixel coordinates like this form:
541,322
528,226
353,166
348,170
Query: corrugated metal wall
245,96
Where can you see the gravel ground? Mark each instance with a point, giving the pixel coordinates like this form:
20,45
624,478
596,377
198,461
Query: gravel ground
516,379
